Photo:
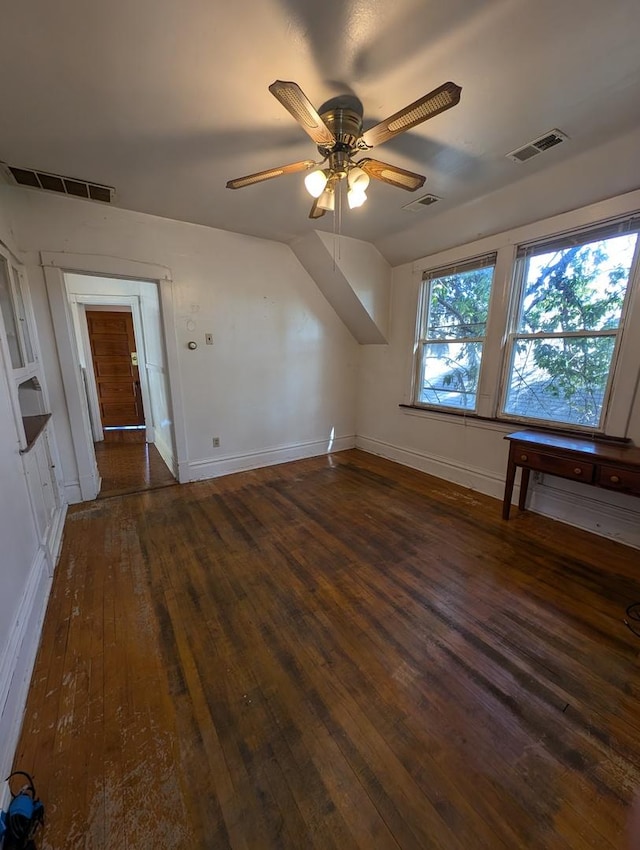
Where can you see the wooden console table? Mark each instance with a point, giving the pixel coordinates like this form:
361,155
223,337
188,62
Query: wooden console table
615,466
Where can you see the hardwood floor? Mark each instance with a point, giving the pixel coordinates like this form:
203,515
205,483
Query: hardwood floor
334,653
127,464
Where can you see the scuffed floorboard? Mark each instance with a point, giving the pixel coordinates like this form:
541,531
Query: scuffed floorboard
333,653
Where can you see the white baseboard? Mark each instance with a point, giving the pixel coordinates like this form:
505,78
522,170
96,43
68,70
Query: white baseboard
482,480
588,510
215,467
18,658
54,541
184,472
72,492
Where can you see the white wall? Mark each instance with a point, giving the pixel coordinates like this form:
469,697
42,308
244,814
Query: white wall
473,452
24,583
367,271
280,378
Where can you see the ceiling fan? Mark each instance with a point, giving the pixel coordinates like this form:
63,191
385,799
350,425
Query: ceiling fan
337,131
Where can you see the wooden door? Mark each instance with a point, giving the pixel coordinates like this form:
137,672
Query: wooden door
113,351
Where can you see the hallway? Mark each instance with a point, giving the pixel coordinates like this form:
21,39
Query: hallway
128,464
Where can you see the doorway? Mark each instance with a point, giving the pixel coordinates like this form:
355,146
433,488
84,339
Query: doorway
121,352
127,463
78,457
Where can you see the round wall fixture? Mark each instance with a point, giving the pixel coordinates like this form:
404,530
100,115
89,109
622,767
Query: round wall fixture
192,345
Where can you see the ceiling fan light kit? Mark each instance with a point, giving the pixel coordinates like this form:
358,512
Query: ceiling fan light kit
316,181
327,200
358,181
356,198
337,132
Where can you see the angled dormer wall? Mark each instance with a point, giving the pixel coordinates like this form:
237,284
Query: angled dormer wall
355,279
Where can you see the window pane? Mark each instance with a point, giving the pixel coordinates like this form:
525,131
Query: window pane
581,287
22,318
459,304
8,314
449,374
562,380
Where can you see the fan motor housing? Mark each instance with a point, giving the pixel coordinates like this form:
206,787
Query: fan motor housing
346,126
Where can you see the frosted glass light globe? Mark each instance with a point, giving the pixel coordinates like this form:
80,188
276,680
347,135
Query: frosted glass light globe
315,183
356,197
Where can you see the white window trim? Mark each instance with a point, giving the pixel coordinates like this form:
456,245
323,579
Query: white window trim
625,374
422,338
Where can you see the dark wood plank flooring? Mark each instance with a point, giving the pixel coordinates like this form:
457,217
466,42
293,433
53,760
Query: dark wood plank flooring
128,464
333,653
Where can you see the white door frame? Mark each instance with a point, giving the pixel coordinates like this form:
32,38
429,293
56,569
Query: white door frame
55,264
132,301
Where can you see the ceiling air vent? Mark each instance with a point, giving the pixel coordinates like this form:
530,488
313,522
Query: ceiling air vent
540,145
424,201
58,183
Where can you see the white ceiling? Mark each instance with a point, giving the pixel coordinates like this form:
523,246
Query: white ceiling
168,100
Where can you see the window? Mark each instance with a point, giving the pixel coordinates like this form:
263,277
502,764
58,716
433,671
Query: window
21,314
454,313
9,316
14,317
542,339
566,325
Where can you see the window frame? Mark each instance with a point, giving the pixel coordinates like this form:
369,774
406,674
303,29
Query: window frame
623,383
578,236
487,260
19,303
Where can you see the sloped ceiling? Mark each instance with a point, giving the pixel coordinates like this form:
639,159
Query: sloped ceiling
166,101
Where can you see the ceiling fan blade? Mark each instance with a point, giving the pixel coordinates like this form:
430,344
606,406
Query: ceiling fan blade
392,174
296,102
426,107
316,211
259,176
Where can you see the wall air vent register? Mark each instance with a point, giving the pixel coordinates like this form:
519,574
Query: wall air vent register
539,145
58,183
420,203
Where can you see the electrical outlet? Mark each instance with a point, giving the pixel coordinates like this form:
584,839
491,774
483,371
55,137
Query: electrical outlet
216,442
208,338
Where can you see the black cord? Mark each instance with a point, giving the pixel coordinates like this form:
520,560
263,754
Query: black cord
30,786
21,829
633,617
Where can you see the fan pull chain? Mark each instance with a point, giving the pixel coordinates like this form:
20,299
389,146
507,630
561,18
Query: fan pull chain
335,200
340,193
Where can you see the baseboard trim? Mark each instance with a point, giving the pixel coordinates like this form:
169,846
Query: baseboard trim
583,511
18,658
54,541
471,477
586,511
215,467
72,492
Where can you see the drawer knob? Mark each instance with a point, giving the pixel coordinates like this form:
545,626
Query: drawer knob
614,479
524,457
578,470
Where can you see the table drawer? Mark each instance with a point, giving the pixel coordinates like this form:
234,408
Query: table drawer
615,478
564,467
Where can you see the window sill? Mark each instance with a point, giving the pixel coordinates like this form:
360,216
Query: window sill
507,425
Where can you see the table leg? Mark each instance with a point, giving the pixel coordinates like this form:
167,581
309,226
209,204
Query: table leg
524,484
508,488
